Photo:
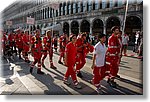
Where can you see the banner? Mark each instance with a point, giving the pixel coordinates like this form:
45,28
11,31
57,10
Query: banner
30,20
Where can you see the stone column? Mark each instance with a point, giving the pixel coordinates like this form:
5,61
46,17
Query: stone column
104,29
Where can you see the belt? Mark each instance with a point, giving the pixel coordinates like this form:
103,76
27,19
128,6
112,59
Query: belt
112,55
112,46
79,51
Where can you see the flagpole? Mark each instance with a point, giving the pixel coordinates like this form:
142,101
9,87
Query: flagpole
55,7
126,11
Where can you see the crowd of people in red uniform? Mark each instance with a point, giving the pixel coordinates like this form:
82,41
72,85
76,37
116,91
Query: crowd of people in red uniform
73,51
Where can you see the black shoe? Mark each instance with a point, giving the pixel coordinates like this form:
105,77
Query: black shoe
31,69
40,72
19,57
80,75
117,76
60,62
53,67
43,66
113,84
108,81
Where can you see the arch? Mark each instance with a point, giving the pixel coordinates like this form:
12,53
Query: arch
85,26
66,28
110,22
38,27
34,28
98,26
75,27
133,24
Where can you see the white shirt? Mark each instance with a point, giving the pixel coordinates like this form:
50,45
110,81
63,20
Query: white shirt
100,52
125,40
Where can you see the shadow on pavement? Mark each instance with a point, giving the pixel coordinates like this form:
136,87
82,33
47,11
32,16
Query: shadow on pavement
130,82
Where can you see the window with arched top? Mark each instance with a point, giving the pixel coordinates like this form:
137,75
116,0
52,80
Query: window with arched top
60,9
81,6
89,5
100,4
64,8
116,3
107,3
93,3
67,7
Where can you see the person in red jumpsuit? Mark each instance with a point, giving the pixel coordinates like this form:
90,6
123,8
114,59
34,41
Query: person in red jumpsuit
113,55
62,44
48,49
11,41
70,61
83,47
36,52
26,45
55,41
19,42
120,51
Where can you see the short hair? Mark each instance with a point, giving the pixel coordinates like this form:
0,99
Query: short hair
101,36
37,30
48,32
83,35
71,36
114,28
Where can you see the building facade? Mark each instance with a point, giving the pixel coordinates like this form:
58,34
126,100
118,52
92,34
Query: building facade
75,16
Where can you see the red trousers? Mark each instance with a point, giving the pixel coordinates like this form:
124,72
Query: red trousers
99,74
114,65
62,53
71,72
37,59
50,57
80,61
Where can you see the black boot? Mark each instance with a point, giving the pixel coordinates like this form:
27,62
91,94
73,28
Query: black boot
19,57
31,69
40,72
53,67
60,62
43,66
113,84
118,76
108,81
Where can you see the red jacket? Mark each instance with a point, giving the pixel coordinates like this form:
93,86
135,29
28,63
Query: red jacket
86,49
26,42
71,52
19,41
4,40
113,45
47,43
37,47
